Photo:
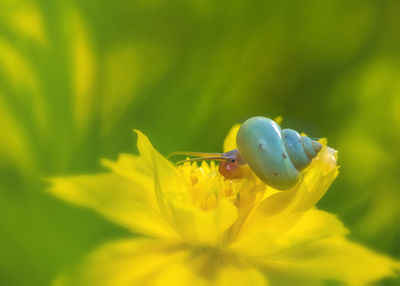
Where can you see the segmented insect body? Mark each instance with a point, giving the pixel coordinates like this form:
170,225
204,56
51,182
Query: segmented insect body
276,156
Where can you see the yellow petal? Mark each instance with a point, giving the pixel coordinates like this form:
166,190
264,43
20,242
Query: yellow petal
160,262
162,169
145,148
286,231
135,168
335,259
230,139
177,274
234,276
167,183
197,226
278,120
315,182
175,201
132,262
120,199
193,224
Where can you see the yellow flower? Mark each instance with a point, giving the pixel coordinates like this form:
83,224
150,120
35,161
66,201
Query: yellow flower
197,228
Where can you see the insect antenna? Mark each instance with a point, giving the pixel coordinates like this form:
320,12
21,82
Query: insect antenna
200,156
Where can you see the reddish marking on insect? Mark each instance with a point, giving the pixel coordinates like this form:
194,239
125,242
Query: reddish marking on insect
230,170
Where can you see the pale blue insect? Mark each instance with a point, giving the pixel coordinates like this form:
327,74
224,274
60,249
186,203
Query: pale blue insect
276,156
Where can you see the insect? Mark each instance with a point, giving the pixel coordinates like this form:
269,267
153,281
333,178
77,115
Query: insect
277,156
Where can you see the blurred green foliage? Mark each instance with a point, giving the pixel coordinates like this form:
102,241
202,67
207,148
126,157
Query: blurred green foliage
77,76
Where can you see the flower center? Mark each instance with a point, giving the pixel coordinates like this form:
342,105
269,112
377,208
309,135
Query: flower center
207,186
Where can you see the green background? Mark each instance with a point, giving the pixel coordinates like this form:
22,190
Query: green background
77,76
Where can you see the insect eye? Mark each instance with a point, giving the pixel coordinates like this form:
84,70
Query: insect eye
233,160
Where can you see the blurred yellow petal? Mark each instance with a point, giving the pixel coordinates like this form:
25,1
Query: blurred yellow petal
16,68
336,259
128,67
278,120
235,276
84,67
14,146
155,262
121,78
178,274
21,77
118,198
26,18
230,139
131,262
